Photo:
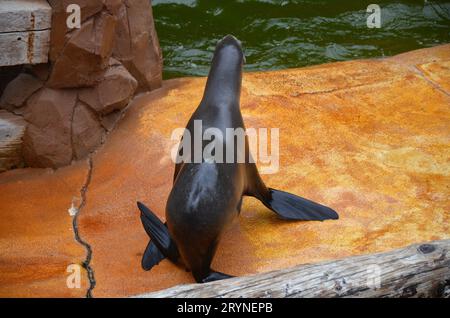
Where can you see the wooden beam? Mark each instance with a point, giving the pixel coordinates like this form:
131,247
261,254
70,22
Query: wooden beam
24,32
421,270
24,47
24,15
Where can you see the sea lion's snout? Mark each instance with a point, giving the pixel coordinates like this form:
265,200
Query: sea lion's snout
231,40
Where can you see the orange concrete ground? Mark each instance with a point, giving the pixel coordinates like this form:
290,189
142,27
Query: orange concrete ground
370,138
36,236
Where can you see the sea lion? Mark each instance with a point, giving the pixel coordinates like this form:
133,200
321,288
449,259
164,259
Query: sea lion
207,195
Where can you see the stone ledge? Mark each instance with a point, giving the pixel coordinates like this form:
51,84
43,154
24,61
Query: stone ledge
12,128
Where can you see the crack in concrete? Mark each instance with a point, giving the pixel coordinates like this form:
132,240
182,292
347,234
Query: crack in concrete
71,128
87,247
334,90
75,211
429,81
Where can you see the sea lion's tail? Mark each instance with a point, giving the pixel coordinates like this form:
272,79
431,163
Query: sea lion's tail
292,207
161,245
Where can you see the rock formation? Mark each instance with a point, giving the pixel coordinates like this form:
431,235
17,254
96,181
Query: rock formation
93,73
47,140
112,93
18,91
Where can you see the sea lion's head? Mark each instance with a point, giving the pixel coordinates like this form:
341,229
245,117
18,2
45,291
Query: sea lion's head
225,75
230,48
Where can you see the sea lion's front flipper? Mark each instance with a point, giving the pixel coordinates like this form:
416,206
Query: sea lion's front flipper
158,233
152,256
213,276
292,207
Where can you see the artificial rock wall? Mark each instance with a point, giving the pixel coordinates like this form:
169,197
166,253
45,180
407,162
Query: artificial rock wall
62,110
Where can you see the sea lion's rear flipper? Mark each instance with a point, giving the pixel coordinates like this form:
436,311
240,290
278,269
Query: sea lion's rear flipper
159,235
152,256
292,207
287,205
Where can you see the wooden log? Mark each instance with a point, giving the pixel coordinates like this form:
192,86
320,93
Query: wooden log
12,128
24,32
421,270
24,15
30,47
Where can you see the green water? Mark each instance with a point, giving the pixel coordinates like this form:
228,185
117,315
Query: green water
280,34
